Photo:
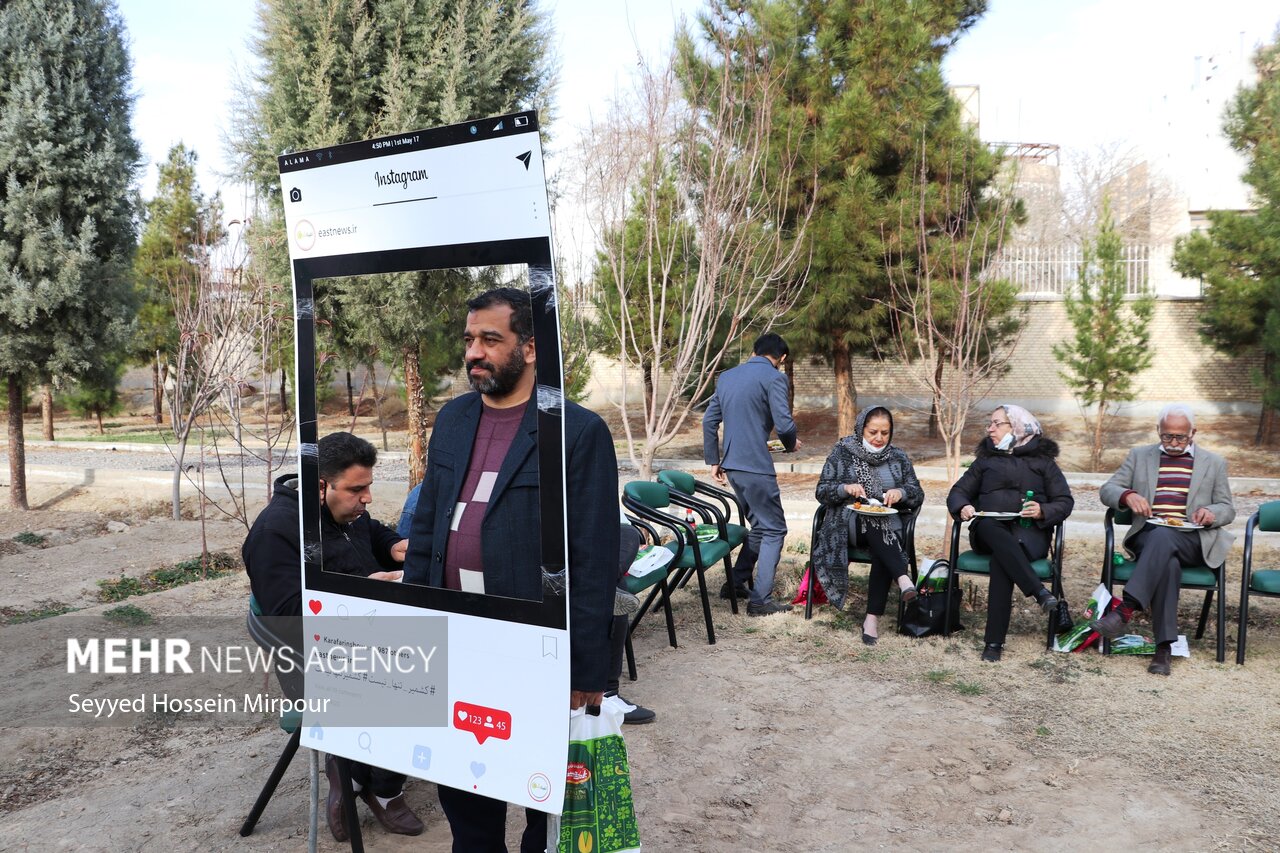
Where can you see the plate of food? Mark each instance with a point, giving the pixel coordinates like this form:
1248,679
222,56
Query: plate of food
990,514
776,446
1179,523
874,509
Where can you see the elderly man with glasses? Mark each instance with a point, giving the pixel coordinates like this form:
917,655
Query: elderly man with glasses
1168,486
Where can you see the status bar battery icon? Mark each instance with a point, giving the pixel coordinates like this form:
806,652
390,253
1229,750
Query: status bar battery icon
520,121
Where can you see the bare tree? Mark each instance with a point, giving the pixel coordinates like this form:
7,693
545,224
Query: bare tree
229,323
1144,203
951,316
688,205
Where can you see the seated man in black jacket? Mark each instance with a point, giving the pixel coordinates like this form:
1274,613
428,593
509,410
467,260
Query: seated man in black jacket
353,544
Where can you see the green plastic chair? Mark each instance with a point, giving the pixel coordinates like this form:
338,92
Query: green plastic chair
1263,582
691,557
972,563
861,555
656,583
687,486
1205,578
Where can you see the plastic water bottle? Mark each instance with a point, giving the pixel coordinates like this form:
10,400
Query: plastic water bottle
1026,522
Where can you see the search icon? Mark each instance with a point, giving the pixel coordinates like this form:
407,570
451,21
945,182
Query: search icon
364,742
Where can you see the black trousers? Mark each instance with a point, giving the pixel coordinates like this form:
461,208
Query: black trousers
617,651
383,783
888,561
479,824
1010,567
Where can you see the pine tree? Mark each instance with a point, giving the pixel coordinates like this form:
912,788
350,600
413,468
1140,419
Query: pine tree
67,162
179,227
1112,337
1238,258
868,80
340,70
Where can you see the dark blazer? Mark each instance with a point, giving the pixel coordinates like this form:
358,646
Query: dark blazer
751,400
998,481
511,529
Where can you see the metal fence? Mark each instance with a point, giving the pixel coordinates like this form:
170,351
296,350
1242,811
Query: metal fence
1051,270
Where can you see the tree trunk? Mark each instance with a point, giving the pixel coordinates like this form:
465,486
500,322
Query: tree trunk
937,398
1095,455
647,370
98,413
284,391
157,391
46,410
1267,417
417,410
17,457
351,403
177,472
846,393
789,367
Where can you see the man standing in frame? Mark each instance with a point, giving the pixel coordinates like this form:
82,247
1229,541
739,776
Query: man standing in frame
476,526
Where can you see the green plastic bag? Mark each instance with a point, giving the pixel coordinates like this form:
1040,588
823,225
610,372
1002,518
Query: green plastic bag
598,816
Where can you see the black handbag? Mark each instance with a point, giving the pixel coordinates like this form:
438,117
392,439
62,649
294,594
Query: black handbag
926,613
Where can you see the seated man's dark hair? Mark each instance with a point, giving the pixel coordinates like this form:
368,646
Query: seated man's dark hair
770,344
519,302
340,450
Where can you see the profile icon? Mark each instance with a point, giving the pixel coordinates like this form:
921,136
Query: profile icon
295,194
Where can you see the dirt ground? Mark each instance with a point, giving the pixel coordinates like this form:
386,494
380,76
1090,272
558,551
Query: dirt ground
784,735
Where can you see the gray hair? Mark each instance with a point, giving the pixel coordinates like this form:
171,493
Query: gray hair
1176,410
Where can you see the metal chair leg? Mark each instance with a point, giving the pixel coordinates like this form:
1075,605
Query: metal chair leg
706,607
277,773
1204,614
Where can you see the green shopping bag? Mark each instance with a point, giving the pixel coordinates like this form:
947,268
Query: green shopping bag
598,813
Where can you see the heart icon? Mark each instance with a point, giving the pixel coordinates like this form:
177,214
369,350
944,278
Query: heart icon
315,605
316,637
477,769
462,716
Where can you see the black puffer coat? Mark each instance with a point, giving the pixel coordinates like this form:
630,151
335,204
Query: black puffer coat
998,481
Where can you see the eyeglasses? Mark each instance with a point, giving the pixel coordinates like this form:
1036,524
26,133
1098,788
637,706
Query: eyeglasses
999,423
1174,437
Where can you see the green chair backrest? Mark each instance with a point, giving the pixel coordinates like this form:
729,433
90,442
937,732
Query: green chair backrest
1124,515
652,495
254,606
681,481
1269,516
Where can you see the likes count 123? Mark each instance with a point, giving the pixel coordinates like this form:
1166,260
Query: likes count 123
482,722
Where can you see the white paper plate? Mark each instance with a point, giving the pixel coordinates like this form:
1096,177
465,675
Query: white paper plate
1181,525
997,515
880,511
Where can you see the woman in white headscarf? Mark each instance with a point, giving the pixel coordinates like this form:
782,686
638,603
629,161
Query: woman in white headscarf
1013,460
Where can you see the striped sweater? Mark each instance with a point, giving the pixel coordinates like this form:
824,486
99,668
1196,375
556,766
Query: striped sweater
1172,485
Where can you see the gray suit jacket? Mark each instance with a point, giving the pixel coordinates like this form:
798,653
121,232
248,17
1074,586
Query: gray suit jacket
751,400
1209,489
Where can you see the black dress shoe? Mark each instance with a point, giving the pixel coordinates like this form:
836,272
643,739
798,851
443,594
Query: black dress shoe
991,654
1110,626
767,609
334,814
868,640
1047,600
743,593
396,816
1162,662
639,715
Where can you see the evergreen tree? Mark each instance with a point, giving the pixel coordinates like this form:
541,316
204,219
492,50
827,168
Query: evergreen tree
340,70
1112,337
1238,258
97,392
67,162
180,227
868,80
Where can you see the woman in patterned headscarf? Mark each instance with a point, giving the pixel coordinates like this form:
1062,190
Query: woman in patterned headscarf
1013,460
861,467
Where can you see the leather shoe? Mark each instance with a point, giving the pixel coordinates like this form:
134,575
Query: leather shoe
397,817
992,653
639,715
1047,600
767,609
868,640
1162,662
1111,625
333,811
743,592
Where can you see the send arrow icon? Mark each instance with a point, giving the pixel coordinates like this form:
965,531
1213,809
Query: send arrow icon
524,158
